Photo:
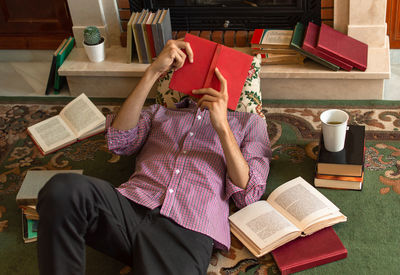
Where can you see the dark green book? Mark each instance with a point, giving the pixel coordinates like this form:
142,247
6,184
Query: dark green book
61,56
52,73
349,161
297,42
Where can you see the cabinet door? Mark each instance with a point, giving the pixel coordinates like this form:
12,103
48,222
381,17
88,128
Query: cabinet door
393,21
38,24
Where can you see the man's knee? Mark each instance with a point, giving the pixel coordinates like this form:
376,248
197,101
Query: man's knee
61,189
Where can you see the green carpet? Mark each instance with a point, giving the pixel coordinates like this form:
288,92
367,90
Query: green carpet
371,233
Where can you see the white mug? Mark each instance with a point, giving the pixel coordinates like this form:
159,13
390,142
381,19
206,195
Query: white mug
334,126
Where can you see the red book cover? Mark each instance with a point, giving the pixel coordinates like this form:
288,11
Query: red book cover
320,248
343,47
257,36
310,45
151,40
234,66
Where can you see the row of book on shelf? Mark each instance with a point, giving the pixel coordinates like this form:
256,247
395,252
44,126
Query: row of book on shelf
147,33
322,44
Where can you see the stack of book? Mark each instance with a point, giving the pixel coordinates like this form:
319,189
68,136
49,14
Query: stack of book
343,169
274,47
330,47
322,44
147,33
27,199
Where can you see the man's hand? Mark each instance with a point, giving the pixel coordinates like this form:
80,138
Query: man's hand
172,56
216,102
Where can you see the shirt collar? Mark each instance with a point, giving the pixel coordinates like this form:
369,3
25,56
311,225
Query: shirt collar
186,102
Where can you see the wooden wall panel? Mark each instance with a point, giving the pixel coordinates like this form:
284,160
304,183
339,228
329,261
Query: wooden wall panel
393,21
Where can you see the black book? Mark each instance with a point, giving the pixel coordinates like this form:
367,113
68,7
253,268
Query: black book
347,162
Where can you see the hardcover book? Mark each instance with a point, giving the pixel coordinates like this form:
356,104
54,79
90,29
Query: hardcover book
29,229
154,30
138,34
292,210
339,182
61,56
79,119
149,35
234,66
320,248
297,42
149,18
52,73
164,28
347,162
269,38
130,45
310,45
343,47
34,181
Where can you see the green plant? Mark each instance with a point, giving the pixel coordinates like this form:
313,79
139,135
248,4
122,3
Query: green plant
91,35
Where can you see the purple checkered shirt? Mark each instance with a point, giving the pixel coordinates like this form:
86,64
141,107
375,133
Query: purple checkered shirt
180,166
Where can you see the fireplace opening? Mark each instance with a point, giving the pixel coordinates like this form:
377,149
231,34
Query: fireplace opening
187,15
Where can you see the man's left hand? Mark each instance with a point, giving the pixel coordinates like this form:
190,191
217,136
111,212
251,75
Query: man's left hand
216,102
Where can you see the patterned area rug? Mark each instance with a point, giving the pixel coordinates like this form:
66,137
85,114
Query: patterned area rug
370,235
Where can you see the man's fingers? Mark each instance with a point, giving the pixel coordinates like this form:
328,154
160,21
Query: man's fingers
221,79
207,98
178,60
185,45
204,91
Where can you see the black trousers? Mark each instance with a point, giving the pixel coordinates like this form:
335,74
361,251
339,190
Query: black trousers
76,210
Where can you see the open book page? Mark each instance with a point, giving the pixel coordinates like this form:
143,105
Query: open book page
83,116
304,205
52,133
262,225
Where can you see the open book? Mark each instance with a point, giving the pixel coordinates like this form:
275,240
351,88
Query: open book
293,209
79,119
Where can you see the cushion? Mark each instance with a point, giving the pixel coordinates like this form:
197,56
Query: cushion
250,99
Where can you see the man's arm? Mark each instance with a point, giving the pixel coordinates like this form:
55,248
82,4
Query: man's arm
217,103
171,57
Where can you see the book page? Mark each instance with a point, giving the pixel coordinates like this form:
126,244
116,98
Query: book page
262,224
82,115
51,133
301,203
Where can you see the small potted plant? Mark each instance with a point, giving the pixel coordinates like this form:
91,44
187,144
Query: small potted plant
93,44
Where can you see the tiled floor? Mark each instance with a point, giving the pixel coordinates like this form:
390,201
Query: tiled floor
25,73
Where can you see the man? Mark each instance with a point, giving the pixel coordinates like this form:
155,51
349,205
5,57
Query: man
174,209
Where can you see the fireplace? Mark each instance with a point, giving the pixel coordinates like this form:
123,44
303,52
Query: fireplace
187,15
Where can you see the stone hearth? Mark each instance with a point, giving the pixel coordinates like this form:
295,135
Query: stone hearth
364,20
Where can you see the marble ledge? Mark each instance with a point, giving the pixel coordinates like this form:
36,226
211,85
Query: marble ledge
115,65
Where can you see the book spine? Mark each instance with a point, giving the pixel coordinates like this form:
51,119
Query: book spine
211,69
257,36
151,40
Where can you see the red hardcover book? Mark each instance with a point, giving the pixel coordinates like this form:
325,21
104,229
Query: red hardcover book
343,47
320,248
150,37
234,66
310,45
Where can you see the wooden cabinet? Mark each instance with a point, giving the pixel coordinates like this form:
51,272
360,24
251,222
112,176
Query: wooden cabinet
39,24
393,21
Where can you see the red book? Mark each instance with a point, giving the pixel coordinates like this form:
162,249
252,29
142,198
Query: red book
310,45
320,248
234,66
343,47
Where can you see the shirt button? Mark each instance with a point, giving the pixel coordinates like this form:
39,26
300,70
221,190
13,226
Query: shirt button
199,117
185,152
171,191
177,171
191,134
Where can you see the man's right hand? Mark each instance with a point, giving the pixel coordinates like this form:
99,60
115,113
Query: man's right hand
172,57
